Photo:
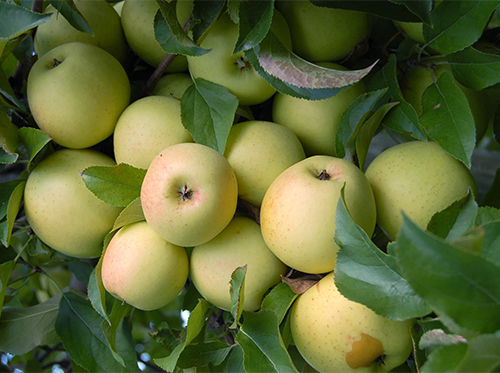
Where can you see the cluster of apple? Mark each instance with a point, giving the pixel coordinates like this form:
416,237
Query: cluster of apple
79,94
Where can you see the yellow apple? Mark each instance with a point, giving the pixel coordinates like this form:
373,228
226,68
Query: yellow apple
259,151
146,127
142,269
173,85
137,17
189,194
76,92
103,20
239,244
315,122
334,334
297,215
321,34
418,178
60,209
234,71
419,77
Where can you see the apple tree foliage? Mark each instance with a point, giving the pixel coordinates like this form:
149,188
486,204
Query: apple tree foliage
447,277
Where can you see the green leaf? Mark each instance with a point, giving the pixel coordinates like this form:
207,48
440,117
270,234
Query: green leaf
130,214
13,205
79,327
7,158
96,291
384,8
255,18
204,14
34,141
351,121
439,337
23,329
116,185
483,354
445,359
9,141
279,300
199,355
5,273
475,69
68,10
8,97
6,190
237,288
455,220
447,118
292,75
263,348
365,274
170,33
119,311
457,24
491,242
16,20
463,288
207,112
194,326
421,8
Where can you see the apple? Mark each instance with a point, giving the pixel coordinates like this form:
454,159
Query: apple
102,18
234,71
315,122
417,78
297,215
173,85
189,194
76,92
142,269
146,127
137,17
414,30
239,244
335,334
321,34
418,178
52,280
258,151
60,209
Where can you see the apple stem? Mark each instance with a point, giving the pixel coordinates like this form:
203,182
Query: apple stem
323,175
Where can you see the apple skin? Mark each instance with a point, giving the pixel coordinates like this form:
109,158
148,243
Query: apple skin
334,334
258,152
142,269
297,215
78,101
173,85
419,178
105,22
137,17
189,194
315,122
60,209
321,34
146,127
239,244
230,70
419,77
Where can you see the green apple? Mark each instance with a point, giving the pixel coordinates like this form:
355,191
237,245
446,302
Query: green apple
76,92
414,30
52,280
142,269
419,178
315,122
419,77
137,18
234,71
239,244
105,23
146,127
259,151
173,85
297,215
321,34
189,194
60,209
334,334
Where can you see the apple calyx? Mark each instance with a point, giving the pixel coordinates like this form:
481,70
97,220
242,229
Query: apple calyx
242,63
323,175
186,193
56,62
